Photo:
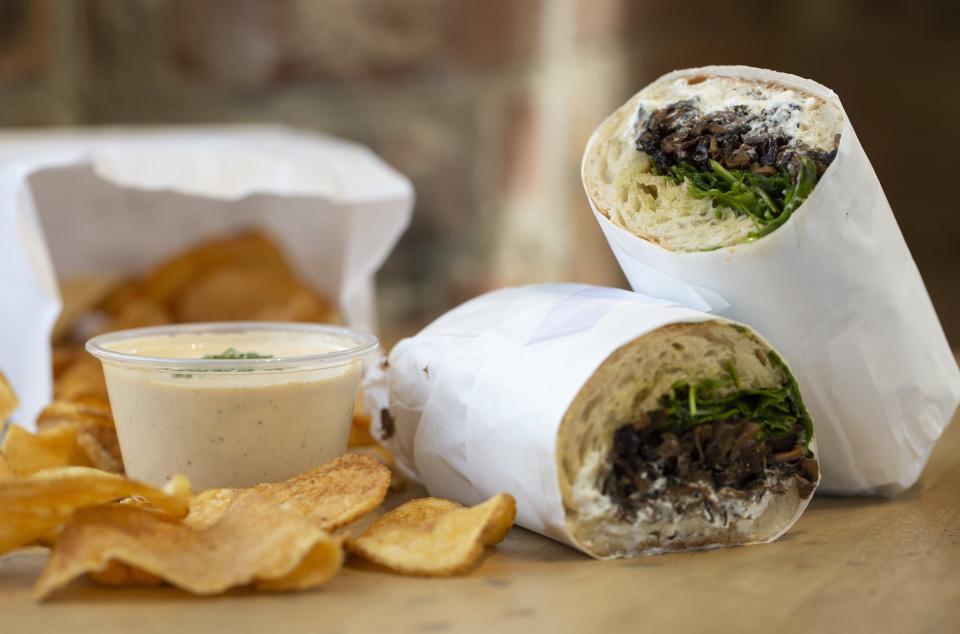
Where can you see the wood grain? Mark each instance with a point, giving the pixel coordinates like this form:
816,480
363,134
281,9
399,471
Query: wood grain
849,565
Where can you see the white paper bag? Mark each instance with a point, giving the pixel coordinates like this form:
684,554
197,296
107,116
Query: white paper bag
477,397
119,201
836,290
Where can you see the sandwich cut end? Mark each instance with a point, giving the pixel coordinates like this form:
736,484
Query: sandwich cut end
701,163
692,436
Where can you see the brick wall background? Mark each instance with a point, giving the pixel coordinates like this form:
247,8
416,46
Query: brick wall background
486,104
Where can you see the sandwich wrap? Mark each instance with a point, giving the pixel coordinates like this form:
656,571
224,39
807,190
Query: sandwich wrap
621,424
821,269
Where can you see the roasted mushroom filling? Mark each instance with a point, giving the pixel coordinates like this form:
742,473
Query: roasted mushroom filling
739,159
707,447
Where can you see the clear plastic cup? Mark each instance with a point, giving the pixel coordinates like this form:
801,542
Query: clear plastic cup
241,418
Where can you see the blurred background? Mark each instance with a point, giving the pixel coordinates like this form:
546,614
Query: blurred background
486,105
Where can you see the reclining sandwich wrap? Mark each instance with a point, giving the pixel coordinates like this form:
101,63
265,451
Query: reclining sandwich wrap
745,193
621,424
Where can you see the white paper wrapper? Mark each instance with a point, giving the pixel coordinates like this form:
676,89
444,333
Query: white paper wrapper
119,201
836,290
477,397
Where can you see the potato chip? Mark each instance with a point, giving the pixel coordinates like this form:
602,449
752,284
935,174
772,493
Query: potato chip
63,357
101,447
301,305
96,435
92,403
362,442
79,297
331,496
122,293
28,453
379,453
8,399
254,542
120,574
31,507
398,479
360,435
139,312
251,249
209,506
234,294
77,413
435,537
81,380
6,473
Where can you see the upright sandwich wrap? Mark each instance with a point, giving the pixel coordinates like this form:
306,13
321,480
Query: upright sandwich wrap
622,425
745,193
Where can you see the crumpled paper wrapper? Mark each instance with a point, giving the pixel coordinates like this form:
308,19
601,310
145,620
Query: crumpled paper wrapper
477,397
836,290
119,201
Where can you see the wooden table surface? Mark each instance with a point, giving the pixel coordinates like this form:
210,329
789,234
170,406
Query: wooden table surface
849,565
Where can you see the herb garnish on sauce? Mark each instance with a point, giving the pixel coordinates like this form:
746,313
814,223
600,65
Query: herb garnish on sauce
233,353
229,353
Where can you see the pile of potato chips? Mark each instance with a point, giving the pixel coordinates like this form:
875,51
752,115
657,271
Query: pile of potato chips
63,487
244,277
275,536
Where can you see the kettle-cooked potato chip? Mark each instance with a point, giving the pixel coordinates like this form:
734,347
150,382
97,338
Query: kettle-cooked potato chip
77,433
233,294
6,473
79,297
398,479
75,413
96,435
28,453
82,379
116,573
31,507
435,537
360,435
332,495
8,399
249,249
101,447
254,542
126,290
64,355
139,312
301,305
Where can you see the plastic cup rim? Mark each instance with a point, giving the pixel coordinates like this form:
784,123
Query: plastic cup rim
359,344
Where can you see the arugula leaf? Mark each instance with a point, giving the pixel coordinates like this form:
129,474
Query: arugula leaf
768,199
777,410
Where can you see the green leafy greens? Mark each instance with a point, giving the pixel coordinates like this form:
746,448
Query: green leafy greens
776,410
768,199
229,353
233,353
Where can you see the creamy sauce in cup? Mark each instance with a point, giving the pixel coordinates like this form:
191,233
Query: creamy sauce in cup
229,423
